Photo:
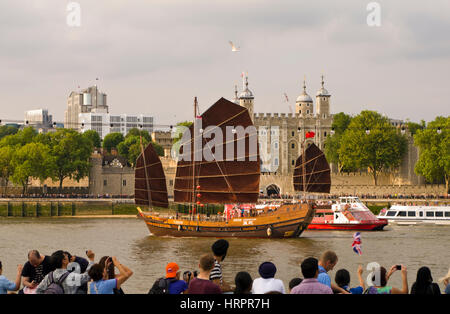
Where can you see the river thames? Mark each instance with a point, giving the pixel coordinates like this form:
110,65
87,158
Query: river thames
146,255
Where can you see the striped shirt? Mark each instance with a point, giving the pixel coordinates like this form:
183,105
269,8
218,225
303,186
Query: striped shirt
216,272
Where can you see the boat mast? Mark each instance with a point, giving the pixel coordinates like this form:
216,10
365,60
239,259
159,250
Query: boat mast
304,169
193,161
147,187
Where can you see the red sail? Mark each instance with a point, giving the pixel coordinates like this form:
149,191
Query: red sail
150,182
317,170
226,181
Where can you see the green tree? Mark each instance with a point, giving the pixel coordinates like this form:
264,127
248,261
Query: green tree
6,130
414,127
137,132
158,148
434,151
6,165
21,138
69,155
382,149
93,136
333,142
30,161
131,148
112,140
180,128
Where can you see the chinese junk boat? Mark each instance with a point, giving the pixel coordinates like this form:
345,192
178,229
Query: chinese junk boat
215,181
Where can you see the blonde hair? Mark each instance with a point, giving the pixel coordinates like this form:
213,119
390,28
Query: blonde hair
329,256
446,277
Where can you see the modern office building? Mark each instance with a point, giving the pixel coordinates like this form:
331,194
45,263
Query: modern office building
84,101
105,123
39,119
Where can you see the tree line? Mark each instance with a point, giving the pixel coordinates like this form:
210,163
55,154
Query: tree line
370,141
65,153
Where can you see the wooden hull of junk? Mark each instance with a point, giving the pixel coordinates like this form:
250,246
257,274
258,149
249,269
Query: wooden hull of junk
288,221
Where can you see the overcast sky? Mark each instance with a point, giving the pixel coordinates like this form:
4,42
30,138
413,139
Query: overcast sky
153,57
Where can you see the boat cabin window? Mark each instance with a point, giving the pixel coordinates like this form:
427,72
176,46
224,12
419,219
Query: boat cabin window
391,213
402,214
447,214
411,214
439,214
421,214
430,214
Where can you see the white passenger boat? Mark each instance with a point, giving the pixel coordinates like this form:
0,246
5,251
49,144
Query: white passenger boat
411,215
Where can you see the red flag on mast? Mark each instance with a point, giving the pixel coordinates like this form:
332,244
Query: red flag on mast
310,134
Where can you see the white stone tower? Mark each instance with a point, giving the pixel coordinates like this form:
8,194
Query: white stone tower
246,98
304,103
323,102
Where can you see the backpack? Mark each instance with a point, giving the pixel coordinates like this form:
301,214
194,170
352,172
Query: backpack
161,286
56,287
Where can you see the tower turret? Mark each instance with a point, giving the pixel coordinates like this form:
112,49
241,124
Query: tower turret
246,97
323,101
304,103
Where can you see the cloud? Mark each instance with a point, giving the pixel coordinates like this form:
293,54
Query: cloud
153,49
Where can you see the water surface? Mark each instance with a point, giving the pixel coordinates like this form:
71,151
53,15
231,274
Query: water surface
146,255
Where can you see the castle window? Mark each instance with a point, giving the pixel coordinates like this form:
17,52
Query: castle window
293,133
104,182
300,112
293,162
307,111
124,183
293,145
275,145
325,134
276,162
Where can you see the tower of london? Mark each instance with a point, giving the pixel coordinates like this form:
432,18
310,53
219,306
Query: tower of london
281,134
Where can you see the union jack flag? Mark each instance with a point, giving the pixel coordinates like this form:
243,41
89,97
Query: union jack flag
356,245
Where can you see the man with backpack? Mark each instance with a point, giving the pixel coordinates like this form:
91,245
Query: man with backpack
171,284
61,281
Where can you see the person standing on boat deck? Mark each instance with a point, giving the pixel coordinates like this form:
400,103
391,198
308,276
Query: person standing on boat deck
6,285
72,280
310,285
202,284
342,279
424,283
327,262
446,281
382,288
267,282
219,249
34,271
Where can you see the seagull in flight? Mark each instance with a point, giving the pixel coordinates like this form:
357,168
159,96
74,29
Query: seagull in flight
233,47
